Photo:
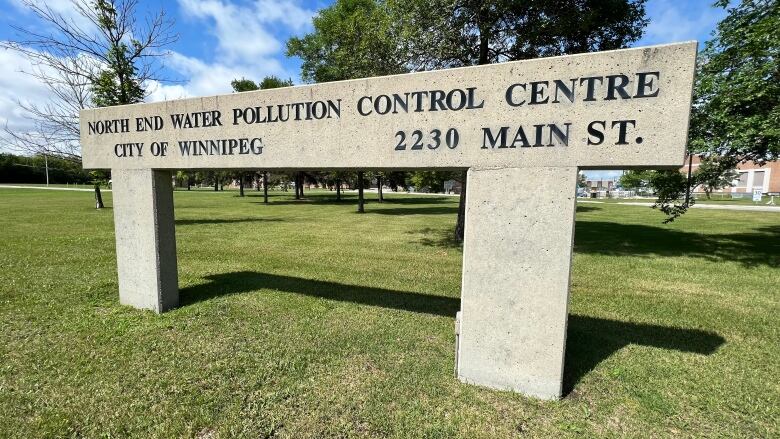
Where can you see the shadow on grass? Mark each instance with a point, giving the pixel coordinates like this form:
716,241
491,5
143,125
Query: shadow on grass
581,208
425,199
187,222
590,340
445,238
752,248
441,238
309,200
352,198
430,210
244,281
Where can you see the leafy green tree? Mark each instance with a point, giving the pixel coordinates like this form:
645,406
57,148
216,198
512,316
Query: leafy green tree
272,81
736,112
736,109
710,176
242,85
118,82
582,181
454,33
351,39
33,169
636,179
338,178
361,38
431,180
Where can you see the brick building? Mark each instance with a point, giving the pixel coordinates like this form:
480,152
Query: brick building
751,176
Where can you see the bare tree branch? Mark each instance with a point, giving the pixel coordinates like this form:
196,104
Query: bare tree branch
68,55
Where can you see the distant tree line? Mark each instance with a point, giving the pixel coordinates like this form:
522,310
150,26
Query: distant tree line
105,59
32,169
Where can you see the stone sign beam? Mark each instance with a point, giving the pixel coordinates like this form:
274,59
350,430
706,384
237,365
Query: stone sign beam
522,129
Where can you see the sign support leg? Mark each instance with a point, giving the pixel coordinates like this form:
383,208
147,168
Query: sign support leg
145,239
516,270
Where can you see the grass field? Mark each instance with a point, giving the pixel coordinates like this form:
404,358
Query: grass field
716,199
305,319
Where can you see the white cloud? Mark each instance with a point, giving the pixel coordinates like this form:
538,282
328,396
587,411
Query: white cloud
239,31
670,23
15,86
64,8
246,45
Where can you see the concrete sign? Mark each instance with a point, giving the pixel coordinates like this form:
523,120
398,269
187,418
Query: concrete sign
523,129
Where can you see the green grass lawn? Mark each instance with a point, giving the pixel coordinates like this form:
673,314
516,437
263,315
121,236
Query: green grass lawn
306,319
700,199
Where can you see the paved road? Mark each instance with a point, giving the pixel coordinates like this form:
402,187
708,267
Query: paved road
757,208
13,186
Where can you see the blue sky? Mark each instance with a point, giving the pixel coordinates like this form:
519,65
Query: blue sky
220,40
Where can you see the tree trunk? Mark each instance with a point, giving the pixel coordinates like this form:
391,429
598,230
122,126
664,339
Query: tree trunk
98,198
265,187
460,223
303,177
216,185
241,185
379,188
338,190
484,42
297,185
360,192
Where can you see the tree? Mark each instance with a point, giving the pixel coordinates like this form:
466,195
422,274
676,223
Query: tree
582,181
736,112
636,179
736,106
351,39
360,182
379,179
432,181
242,85
338,178
106,61
272,81
454,33
429,34
710,176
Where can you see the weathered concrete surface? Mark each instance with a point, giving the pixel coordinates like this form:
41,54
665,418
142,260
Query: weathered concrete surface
145,239
516,269
520,213
356,141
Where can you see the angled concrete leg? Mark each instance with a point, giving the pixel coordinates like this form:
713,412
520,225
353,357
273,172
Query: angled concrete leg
516,268
145,239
